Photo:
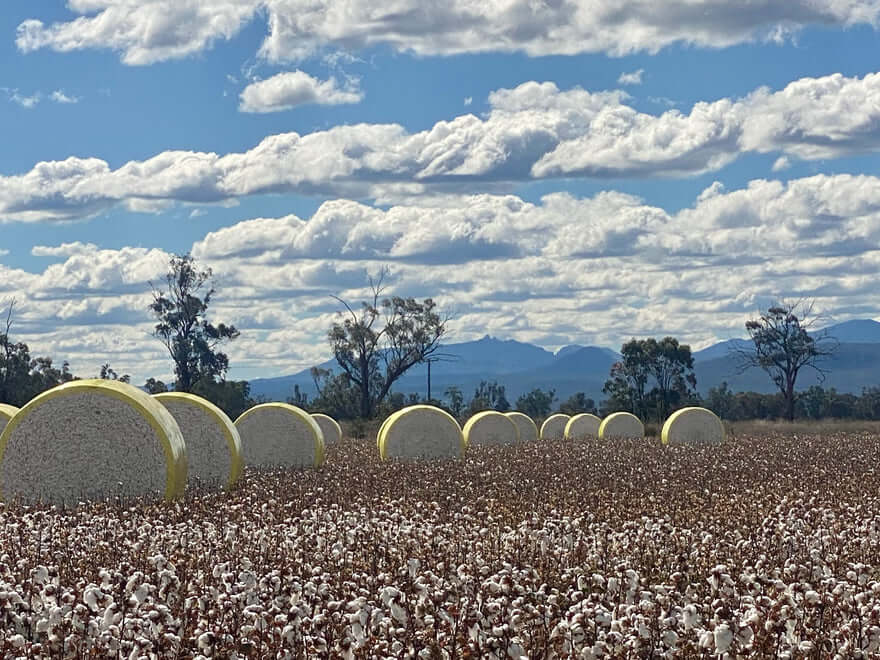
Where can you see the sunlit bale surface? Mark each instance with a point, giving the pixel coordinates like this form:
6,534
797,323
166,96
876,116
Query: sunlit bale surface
421,432
6,413
213,445
762,547
280,435
553,427
91,439
329,428
583,425
490,428
693,426
528,430
621,425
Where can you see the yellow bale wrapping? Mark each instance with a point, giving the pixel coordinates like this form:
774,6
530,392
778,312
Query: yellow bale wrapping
621,425
91,439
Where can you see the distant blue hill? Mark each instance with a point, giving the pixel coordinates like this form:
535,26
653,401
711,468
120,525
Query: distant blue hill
521,367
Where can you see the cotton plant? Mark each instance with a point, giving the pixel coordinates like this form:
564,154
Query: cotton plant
760,546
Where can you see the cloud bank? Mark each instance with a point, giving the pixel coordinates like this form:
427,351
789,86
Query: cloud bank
532,132
148,31
627,266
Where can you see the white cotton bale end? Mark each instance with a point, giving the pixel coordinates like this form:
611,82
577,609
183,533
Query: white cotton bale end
213,446
329,427
553,427
693,426
528,430
490,428
6,413
421,431
91,439
621,425
583,425
280,435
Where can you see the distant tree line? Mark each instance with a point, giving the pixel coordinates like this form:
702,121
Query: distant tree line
378,341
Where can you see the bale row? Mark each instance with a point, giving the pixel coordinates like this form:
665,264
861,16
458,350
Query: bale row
91,439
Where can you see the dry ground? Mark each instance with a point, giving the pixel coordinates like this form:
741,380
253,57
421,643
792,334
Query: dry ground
766,547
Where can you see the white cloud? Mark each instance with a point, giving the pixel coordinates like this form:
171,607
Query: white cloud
534,131
148,31
64,250
468,100
58,96
633,78
24,101
627,266
3,252
781,163
293,88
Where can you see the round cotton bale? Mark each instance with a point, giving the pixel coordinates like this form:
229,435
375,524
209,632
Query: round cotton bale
421,431
583,425
490,428
621,425
213,446
553,427
329,427
6,413
91,439
693,426
528,430
280,435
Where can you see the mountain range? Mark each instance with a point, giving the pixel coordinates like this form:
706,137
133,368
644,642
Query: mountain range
521,367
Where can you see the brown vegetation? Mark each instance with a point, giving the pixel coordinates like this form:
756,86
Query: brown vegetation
765,547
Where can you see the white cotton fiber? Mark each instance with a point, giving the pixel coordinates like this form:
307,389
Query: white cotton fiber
553,427
490,428
329,427
621,425
693,426
528,430
280,435
91,439
421,432
583,425
213,445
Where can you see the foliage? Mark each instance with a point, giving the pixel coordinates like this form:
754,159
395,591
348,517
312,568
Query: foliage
232,396
182,327
108,373
378,344
783,345
578,403
537,404
489,395
21,376
666,365
153,386
455,397
337,396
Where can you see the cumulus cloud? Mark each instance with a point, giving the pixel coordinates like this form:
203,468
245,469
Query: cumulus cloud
288,90
533,131
58,96
64,250
626,265
24,100
781,163
633,78
148,31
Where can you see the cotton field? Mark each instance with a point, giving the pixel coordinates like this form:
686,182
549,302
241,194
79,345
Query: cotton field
760,547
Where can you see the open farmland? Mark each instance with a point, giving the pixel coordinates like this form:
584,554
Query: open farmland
767,546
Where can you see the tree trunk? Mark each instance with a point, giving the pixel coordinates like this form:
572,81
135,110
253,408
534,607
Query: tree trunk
789,400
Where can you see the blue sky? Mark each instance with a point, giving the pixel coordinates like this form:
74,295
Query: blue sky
552,172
